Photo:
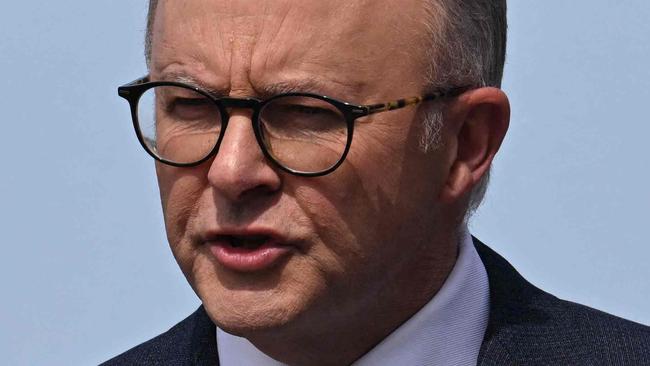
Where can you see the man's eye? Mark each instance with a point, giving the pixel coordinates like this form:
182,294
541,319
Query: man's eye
291,119
307,110
189,108
190,103
315,116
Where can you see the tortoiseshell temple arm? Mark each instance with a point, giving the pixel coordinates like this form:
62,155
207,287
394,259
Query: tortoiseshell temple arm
401,103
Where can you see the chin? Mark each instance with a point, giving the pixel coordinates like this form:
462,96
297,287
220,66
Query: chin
251,313
249,305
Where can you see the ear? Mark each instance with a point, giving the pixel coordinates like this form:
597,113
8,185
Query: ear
478,121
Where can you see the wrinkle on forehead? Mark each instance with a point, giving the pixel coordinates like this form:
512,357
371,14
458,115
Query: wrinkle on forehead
248,43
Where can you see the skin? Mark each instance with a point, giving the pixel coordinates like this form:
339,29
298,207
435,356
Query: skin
373,240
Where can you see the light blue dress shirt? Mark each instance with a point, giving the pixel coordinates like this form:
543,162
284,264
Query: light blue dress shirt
448,330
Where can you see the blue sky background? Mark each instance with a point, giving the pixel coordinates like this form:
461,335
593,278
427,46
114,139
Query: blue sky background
86,273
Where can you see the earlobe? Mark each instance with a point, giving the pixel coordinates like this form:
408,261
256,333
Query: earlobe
481,118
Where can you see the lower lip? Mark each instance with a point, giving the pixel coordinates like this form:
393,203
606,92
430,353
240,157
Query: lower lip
248,260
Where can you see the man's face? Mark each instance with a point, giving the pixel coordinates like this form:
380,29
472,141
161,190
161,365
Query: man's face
315,250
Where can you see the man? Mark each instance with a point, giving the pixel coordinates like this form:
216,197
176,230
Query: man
317,161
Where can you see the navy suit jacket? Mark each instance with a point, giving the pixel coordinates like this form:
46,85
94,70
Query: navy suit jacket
527,326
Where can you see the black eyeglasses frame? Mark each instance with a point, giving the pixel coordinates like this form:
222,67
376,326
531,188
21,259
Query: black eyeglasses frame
134,90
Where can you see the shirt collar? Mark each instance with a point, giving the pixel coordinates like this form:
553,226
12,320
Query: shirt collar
448,330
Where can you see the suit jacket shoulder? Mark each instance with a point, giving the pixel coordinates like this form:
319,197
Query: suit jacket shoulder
190,342
529,326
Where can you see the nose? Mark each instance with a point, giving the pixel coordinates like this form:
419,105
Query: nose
240,170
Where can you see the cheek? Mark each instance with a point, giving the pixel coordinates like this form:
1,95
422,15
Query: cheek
344,221
378,154
376,202
180,193
353,249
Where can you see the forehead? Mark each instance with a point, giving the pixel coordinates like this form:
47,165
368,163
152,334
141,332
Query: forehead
349,43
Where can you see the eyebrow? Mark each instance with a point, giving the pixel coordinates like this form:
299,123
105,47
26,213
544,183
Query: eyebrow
190,80
309,85
302,85
313,85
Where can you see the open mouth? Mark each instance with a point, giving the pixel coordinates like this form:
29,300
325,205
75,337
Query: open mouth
248,253
246,242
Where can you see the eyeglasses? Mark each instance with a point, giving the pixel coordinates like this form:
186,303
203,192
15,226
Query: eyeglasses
302,133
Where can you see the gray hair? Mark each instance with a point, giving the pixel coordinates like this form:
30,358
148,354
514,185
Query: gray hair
149,35
468,47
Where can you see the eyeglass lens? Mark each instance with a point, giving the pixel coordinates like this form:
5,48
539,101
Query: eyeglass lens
302,133
178,124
